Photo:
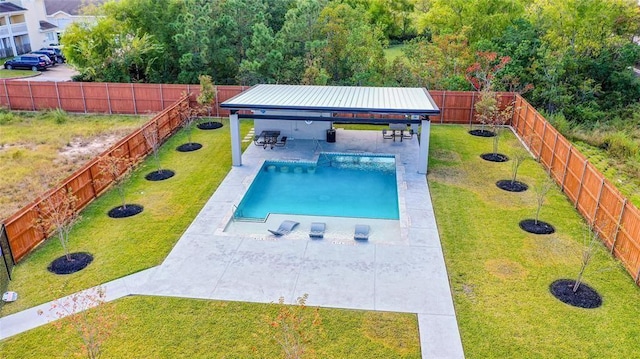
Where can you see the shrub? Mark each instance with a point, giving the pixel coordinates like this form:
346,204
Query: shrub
7,117
58,115
620,145
560,123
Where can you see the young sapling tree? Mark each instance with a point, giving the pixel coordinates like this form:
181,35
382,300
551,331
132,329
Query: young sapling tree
58,213
295,327
520,155
590,242
117,169
86,313
207,93
541,190
151,137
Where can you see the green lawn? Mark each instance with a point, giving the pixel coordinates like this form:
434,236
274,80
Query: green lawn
9,74
500,275
187,328
125,246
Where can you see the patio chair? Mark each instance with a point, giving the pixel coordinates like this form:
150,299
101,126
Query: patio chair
285,228
317,230
282,142
361,232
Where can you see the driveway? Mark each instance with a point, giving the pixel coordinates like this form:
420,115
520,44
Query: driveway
57,73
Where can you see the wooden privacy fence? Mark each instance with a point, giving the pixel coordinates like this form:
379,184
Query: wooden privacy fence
87,183
616,220
103,97
96,97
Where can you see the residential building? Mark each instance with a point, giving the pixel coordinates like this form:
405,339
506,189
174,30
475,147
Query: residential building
23,27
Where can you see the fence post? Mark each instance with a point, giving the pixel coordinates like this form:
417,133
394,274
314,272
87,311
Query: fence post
58,95
615,237
6,92
93,181
161,99
566,167
133,96
544,131
84,101
584,171
106,85
217,102
444,98
33,103
595,211
553,153
473,104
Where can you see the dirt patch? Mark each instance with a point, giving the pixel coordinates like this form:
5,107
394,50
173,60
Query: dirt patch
81,149
448,175
381,327
506,269
445,156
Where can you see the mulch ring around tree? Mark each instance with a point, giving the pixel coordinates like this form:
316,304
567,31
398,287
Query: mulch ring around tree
482,133
494,157
125,211
78,262
159,175
189,147
512,186
210,125
530,225
584,297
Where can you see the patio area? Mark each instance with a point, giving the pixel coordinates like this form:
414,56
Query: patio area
400,269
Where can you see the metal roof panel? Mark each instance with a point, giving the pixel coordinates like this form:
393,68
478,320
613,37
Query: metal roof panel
401,100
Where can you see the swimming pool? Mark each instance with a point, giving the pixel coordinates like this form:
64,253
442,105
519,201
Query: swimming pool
338,185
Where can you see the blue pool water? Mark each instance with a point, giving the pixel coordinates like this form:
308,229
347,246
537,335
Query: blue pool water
338,185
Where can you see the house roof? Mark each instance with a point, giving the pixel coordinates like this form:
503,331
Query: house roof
6,6
45,25
350,99
71,7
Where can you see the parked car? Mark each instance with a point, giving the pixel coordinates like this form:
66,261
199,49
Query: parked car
58,51
34,62
47,59
50,54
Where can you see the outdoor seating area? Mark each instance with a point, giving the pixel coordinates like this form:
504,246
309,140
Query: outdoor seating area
397,131
317,230
269,139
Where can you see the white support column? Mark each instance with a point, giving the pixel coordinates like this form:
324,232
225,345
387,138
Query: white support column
236,150
423,158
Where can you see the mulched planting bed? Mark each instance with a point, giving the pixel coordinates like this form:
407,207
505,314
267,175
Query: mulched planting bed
78,262
159,175
584,297
494,157
482,133
189,147
512,186
124,212
211,125
530,225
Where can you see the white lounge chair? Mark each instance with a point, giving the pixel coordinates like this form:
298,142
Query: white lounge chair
317,230
285,228
361,232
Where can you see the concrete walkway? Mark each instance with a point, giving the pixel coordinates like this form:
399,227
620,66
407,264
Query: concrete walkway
400,269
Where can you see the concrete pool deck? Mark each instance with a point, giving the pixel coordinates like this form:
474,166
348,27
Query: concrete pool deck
217,258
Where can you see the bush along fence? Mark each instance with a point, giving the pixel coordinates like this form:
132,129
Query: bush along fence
87,183
616,220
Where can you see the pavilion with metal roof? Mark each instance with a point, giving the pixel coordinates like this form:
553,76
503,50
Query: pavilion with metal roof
320,106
